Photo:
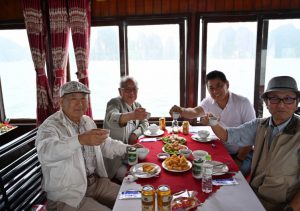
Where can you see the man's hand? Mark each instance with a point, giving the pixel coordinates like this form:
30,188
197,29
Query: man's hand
140,114
132,139
175,108
93,137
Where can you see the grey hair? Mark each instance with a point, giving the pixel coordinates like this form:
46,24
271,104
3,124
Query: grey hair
124,79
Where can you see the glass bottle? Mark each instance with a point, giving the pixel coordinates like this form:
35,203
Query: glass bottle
207,171
175,125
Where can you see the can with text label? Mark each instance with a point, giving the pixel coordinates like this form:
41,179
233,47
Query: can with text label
148,198
164,198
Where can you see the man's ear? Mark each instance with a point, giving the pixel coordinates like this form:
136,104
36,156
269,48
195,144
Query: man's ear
120,91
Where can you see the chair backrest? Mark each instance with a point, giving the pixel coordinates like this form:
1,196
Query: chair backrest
20,174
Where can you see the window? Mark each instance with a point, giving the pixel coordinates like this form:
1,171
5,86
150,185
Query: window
283,53
153,56
153,60
231,49
17,75
104,67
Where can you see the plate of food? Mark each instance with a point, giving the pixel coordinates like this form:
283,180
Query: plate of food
196,137
177,163
158,133
173,148
173,138
145,170
219,168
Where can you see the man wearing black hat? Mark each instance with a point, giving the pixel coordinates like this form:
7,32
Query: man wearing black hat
70,149
275,170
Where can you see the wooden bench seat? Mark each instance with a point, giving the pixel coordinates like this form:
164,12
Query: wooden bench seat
20,174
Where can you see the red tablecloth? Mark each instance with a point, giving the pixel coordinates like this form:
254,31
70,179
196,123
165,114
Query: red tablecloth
185,180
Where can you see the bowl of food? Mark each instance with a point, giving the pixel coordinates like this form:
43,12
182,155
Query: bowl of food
163,155
142,153
185,152
153,128
203,133
199,154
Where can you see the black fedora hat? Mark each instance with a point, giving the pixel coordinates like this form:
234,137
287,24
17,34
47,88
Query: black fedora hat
282,83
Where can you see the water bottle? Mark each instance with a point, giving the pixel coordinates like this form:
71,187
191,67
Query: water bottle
207,171
175,126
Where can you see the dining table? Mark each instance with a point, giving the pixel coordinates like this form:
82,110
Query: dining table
222,198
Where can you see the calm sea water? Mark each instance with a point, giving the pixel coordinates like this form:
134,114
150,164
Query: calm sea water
158,83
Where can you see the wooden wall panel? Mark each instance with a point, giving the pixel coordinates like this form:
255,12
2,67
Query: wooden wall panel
175,6
211,5
148,6
285,4
238,5
156,7
275,4
220,5
112,7
202,6
12,9
183,6
295,4
248,5
166,6
140,7
266,4
129,7
229,4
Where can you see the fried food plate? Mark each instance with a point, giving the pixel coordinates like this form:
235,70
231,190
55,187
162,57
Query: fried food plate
174,170
137,170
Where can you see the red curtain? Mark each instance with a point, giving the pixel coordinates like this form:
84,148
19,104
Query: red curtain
34,24
80,21
59,30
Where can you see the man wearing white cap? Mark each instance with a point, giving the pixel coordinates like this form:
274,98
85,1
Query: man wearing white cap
275,170
71,149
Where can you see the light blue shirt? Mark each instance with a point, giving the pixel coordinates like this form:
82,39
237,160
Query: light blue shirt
244,135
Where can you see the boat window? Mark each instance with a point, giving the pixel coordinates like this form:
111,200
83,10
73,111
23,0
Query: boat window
283,54
231,48
17,74
153,59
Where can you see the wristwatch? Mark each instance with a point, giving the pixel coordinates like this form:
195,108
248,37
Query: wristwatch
288,208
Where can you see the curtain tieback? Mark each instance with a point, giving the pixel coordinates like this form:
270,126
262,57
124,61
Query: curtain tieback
82,74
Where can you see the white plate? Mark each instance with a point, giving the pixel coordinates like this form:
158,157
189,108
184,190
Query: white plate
220,169
176,152
137,170
165,167
158,133
195,137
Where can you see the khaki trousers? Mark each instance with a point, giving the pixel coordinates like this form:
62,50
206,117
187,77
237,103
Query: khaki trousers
101,195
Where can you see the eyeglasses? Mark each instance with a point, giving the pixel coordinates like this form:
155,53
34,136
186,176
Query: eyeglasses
286,100
129,90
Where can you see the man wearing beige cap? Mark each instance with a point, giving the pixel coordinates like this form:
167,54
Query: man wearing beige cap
275,169
71,149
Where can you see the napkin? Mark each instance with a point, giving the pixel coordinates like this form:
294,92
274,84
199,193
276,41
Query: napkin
148,139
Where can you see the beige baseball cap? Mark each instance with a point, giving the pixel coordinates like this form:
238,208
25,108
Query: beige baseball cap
73,87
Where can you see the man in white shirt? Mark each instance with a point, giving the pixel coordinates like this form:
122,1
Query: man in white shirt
70,149
231,109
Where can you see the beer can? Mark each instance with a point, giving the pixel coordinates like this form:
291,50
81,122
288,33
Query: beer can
197,168
185,127
162,123
132,156
148,198
164,198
